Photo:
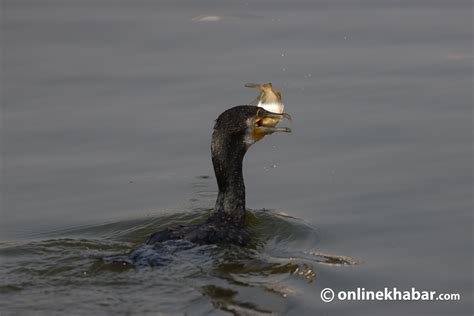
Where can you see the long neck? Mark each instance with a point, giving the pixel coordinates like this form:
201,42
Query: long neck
227,157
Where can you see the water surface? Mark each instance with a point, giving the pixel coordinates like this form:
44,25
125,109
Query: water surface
107,112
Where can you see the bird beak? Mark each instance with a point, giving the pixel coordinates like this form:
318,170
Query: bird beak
265,124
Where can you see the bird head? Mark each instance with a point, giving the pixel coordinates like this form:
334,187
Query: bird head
248,124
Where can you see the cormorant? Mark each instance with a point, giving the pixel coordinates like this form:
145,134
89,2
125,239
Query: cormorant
235,130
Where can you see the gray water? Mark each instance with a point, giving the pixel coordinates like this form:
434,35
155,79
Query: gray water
107,111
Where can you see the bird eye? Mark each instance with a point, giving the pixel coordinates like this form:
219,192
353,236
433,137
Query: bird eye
260,113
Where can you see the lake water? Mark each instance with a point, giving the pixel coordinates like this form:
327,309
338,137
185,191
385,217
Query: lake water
107,112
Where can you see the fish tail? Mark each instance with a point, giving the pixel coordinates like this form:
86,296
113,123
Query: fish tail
253,85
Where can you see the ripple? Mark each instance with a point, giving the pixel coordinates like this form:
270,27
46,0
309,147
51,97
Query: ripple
112,262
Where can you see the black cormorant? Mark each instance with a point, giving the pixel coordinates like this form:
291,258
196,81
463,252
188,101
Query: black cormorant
235,130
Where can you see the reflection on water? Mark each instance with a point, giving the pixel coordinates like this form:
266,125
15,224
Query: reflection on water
281,254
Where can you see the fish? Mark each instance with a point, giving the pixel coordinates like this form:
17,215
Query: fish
269,99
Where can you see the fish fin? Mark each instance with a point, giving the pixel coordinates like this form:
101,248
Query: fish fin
278,93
